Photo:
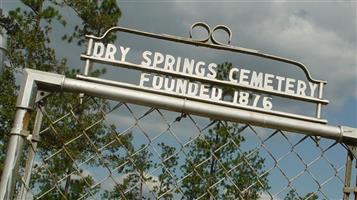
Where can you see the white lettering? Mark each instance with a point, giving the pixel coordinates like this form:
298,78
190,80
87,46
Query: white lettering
232,75
169,62
98,50
181,86
157,82
178,62
166,84
257,79
204,90
313,88
289,86
192,89
301,87
110,51
280,81
124,51
243,77
158,59
216,94
199,70
143,78
212,69
147,61
188,66
268,81
235,97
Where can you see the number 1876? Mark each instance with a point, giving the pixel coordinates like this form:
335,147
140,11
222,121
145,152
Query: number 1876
255,100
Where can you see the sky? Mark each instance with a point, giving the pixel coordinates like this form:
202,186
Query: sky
320,34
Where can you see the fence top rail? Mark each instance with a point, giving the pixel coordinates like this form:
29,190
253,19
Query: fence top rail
34,80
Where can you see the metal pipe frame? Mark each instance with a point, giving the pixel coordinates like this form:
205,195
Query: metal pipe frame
2,52
34,80
22,195
211,110
13,153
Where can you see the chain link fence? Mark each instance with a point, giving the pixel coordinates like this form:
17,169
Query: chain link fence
101,149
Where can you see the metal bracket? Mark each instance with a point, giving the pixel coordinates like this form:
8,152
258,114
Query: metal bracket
25,134
183,115
317,140
34,81
350,190
41,95
353,150
349,134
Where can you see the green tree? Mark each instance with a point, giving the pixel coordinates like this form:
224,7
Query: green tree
31,47
210,159
137,177
97,17
7,109
212,156
168,172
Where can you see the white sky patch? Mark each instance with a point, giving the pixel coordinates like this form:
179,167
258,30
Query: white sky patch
150,185
81,175
124,121
321,50
266,196
127,121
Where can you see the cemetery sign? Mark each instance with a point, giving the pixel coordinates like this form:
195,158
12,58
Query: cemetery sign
197,79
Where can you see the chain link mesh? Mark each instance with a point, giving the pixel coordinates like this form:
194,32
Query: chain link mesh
104,149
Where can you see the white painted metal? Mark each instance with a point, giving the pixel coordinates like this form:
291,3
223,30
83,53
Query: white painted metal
13,153
2,52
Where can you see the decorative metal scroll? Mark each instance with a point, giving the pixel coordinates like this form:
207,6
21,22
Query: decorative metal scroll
186,80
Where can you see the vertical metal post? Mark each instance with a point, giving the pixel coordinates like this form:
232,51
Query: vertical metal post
2,52
355,188
87,66
318,108
348,172
13,154
31,156
25,102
